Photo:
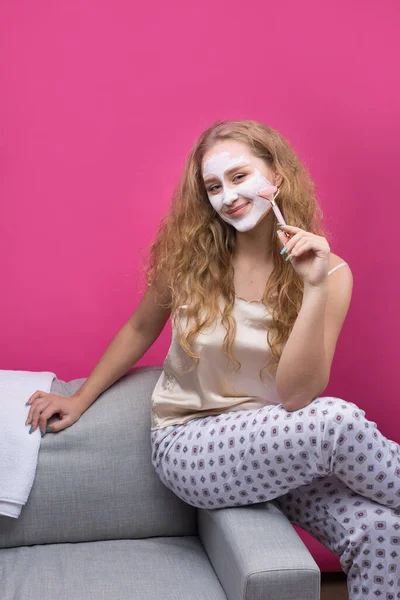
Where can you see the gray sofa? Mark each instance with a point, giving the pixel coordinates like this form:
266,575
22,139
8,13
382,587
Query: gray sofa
99,524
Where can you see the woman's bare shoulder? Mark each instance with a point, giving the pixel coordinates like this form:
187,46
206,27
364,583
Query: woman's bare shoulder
334,260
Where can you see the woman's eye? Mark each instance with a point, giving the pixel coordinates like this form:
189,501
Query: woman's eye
212,188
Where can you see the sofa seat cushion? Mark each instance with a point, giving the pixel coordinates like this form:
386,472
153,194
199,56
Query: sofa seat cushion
161,567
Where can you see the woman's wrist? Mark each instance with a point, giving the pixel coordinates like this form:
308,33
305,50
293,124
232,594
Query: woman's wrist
321,288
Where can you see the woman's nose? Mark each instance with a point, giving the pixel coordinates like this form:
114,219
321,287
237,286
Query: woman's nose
230,195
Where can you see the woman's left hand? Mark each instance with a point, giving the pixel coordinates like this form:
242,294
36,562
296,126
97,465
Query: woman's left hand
309,254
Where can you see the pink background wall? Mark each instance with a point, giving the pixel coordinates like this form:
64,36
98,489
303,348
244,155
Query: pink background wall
100,103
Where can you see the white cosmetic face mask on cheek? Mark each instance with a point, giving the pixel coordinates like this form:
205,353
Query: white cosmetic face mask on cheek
216,165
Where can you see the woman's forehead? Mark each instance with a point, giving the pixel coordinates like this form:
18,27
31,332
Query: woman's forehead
219,162
226,150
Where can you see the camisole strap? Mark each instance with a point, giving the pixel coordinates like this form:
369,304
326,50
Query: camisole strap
337,267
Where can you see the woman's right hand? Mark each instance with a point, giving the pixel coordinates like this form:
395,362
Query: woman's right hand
44,405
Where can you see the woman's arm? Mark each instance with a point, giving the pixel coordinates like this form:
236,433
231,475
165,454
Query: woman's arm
304,368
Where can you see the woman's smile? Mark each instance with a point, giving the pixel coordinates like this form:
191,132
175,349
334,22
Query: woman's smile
239,210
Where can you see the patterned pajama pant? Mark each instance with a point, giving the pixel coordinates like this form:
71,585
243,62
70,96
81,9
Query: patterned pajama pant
325,466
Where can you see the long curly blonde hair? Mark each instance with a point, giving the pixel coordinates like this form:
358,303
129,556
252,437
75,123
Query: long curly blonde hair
193,248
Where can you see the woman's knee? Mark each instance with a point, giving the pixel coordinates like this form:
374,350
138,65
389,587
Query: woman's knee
337,415
338,408
335,401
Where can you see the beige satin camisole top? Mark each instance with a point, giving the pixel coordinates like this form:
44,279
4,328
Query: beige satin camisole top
209,388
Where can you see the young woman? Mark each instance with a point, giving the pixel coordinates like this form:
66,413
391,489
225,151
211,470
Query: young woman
273,301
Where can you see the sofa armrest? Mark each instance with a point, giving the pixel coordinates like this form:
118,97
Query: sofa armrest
257,554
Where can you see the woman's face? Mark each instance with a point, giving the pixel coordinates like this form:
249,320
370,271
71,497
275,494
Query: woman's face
233,176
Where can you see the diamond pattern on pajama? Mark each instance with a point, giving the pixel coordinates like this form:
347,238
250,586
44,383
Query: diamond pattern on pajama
364,534
245,457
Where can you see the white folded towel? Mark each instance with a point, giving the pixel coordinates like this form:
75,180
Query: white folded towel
18,449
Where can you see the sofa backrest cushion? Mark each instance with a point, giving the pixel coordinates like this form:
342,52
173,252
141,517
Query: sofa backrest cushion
95,480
